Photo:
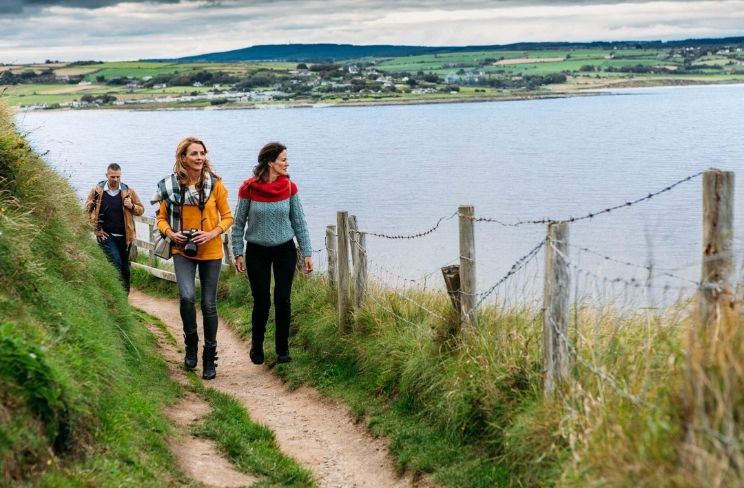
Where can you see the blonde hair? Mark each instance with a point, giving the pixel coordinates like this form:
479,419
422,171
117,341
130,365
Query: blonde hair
180,170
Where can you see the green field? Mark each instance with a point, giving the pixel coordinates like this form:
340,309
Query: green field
135,70
570,61
432,77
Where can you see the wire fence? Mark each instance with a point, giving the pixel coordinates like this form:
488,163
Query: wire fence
606,297
385,274
609,295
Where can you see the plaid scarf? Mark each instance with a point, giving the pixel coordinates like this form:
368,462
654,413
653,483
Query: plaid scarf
170,191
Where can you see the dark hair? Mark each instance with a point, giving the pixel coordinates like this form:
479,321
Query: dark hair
266,155
113,167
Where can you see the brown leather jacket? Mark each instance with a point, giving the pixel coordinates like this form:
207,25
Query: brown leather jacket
93,207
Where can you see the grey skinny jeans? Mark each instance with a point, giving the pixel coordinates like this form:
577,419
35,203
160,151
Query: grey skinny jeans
209,274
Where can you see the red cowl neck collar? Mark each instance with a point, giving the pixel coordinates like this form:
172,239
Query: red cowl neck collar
261,191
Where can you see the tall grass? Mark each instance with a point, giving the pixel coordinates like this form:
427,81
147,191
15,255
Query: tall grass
469,408
80,383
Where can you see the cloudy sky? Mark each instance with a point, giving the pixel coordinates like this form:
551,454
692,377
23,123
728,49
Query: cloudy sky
36,30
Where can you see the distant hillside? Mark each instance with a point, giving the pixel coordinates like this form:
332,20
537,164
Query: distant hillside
332,52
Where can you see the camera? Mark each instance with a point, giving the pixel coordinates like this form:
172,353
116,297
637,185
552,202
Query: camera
190,248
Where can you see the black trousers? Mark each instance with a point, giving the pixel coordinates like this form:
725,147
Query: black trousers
259,261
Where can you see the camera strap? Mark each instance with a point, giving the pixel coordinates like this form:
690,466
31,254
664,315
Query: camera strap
183,199
201,204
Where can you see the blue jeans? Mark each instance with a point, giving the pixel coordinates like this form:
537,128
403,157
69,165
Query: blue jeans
209,274
117,252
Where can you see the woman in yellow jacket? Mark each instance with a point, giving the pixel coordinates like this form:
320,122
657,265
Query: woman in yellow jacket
193,213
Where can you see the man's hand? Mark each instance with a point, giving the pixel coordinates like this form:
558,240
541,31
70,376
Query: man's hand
128,202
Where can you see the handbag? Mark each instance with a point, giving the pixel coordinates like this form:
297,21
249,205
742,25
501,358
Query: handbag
161,244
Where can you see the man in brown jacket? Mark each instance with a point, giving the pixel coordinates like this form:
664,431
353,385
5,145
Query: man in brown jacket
111,207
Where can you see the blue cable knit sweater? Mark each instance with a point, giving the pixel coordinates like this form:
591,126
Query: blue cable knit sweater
269,214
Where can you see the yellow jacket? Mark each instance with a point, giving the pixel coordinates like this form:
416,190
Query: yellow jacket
216,214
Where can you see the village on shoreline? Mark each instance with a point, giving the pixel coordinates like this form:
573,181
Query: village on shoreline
480,75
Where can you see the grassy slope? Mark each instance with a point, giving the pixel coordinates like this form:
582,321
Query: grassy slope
81,385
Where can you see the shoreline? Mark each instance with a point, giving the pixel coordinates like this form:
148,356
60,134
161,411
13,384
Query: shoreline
589,91
308,105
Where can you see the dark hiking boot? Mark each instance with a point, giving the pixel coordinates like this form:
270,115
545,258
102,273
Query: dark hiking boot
284,358
257,354
209,356
192,346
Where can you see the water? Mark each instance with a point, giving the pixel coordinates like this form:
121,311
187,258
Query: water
402,168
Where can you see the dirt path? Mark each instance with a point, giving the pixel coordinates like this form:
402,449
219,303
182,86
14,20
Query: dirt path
198,458
319,434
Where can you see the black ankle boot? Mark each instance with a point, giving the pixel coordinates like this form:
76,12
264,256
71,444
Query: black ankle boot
209,357
192,346
257,353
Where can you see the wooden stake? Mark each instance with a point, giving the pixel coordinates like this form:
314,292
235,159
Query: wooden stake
360,270
451,276
555,311
467,266
716,290
342,226
332,258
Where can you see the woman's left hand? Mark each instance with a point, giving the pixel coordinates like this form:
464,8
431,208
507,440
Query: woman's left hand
308,265
204,236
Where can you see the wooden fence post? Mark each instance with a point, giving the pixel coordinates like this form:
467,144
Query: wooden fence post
716,290
555,307
353,242
228,258
342,251
467,266
451,276
360,270
331,248
151,253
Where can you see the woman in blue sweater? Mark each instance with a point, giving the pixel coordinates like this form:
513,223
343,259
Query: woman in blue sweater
268,218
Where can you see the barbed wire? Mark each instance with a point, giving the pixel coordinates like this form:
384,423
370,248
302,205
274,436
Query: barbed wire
632,282
408,281
413,281
649,268
588,215
410,300
411,236
362,250
600,373
518,264
734,252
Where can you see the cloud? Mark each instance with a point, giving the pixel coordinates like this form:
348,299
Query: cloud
19,6
115,30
